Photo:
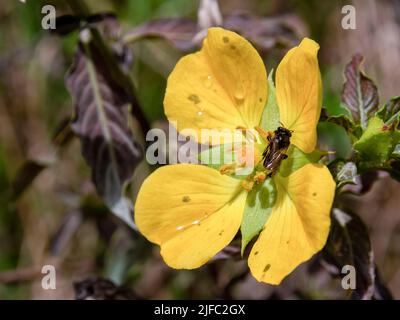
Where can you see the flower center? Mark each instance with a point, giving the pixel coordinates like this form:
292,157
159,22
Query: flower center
264,157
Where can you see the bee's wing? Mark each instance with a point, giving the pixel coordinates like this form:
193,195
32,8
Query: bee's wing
269,153
273,157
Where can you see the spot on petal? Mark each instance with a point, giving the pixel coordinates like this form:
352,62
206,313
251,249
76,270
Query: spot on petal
225,39
185,199
194,98
267,267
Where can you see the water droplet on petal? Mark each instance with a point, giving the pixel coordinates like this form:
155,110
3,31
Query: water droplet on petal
208,81
180,228
196,222
239,95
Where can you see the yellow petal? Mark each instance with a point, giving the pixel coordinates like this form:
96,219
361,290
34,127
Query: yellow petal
299,93
298,226
223,86
192,211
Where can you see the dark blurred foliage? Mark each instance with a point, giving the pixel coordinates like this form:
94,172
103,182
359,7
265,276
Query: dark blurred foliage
50,212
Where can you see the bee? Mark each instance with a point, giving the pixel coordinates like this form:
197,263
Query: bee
275,152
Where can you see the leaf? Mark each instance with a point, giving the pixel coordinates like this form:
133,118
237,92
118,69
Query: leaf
231,252
270,116
343,172
381,291
67,23
390,112
101,122
185,34
348,244
297,159
396,152
31,168
394,169
347,174
333,137
266,33
179,31
94,288
376,145
359,92
25,176
259,204
342,121
333,106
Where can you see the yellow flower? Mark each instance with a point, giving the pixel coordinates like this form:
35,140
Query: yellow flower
194,211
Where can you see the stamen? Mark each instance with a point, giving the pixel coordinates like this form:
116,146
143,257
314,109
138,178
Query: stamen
228,168
247,185
260,177
264,134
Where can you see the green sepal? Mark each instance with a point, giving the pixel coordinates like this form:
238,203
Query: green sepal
258,208
270,117
297,159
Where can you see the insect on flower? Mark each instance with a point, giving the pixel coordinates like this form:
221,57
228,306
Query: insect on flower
275,152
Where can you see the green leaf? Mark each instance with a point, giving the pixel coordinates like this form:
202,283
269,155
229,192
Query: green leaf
376,145
343,172
334,138
297,159
259,204
396,151
333,106
347,174
359,94
270,117
343,121
390,112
